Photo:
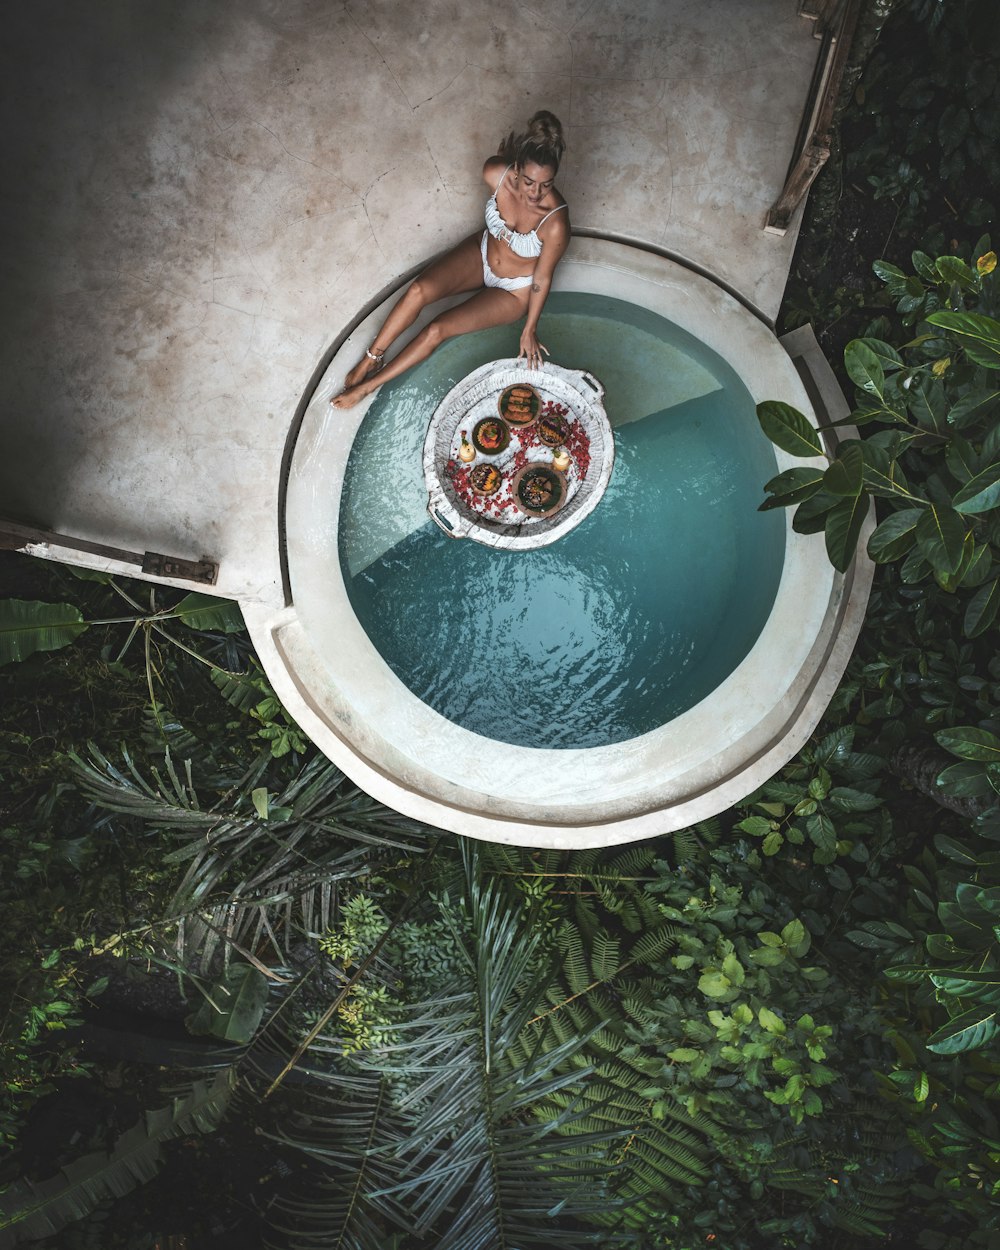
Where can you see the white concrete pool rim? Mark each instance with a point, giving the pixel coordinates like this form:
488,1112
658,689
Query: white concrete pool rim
339,689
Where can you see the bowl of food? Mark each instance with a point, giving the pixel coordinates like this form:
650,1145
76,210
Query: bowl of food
519,405
485,479
490,436
552,429
538,489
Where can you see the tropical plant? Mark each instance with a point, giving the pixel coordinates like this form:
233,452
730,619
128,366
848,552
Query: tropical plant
48,973
27,626
936,458
823,802
929,119
940,956
259,864
31,1211
30,626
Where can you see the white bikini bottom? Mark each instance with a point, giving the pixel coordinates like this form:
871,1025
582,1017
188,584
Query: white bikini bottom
504,284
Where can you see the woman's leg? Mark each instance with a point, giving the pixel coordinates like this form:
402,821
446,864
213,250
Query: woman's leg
489,307
459,270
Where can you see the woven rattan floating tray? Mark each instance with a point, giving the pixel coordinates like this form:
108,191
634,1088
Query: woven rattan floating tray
496,520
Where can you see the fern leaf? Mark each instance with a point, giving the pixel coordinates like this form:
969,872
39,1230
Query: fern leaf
605,958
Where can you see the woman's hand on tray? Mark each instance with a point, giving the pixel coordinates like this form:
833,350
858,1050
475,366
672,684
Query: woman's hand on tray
531,349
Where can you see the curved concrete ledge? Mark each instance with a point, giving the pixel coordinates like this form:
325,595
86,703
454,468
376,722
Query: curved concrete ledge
331,679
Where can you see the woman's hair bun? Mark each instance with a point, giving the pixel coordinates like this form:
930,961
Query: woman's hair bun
541,142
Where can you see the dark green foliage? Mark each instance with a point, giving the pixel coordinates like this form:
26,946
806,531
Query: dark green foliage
29,1211
928,109
457,1124
934,455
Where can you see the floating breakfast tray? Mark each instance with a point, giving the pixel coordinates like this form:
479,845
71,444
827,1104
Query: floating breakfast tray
498,519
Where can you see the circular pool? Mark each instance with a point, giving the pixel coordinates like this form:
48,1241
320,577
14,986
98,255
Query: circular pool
645,671
627,621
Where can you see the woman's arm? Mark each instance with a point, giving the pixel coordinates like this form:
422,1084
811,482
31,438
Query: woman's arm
556,241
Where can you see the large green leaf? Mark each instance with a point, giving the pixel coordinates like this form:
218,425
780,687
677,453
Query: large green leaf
979,567
962,459
209,612
951,581
792,487
953,268
968,1031
982,609
928,402
914,568
849,799
970,743
882,474
973,406
941,538
810,515
886,271
843,528
924,265
844,476
980,984
866,413
884,352
234,1005
979,335
27,626
980,493
788,429
864,367
948,847
822,831
243,690
771,1021
894,536
35,1210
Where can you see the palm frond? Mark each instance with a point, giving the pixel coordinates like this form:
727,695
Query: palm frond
250,882
861,1151
459,1156
170,804
338,1205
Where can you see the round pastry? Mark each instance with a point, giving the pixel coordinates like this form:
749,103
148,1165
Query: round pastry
490,436
552,430
485,479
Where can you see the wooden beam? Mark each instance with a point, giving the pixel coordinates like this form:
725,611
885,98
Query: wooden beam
151,564
813,144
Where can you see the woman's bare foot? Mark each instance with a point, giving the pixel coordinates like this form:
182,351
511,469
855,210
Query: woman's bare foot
352,395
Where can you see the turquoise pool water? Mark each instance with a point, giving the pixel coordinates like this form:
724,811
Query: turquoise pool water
625,622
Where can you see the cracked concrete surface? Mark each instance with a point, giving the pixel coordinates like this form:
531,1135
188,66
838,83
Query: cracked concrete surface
201,194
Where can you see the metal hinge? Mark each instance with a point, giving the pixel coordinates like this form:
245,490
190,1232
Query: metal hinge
156,565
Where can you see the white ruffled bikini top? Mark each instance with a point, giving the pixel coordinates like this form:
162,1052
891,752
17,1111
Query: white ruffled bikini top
527,245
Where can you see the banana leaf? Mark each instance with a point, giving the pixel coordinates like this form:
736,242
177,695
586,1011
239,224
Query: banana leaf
31,1210
27,626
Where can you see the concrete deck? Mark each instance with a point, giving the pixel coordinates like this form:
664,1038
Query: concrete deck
201,194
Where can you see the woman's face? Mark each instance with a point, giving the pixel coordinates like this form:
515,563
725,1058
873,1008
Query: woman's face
536,181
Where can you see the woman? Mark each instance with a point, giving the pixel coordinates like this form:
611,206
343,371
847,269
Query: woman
509,267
